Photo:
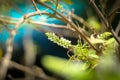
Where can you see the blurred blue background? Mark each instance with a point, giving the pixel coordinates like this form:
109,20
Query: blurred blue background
44,46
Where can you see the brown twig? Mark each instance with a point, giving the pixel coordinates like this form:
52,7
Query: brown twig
14,21
8,55
5,63
50,25
50,15
35,71
81,20
5,21
9,44
117,30
113,11
105,20
72,25
5,25
59,29
33,2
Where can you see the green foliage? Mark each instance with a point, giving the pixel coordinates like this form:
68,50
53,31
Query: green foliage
85,63
59,40
86,55
109,46
103,41
81,51
94,23
82,63
105,35
77,70
63,67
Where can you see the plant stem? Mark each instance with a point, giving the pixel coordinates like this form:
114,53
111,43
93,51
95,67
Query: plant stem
105,20
72,25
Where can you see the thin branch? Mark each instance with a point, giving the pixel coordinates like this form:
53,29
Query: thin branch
72,25
33,2
5,25
52,25
81,20
8,55
35,71
7,18
9,44
5,63
113,11
99,12
117,30
36,23
105,20
7,21
50,15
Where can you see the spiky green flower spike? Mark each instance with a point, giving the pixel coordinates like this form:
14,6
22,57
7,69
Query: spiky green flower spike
58,40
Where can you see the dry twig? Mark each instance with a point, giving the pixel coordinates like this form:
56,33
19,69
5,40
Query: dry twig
72,25
105,20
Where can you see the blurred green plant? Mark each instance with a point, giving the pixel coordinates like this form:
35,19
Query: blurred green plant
84,60
84,63
77,70
94,23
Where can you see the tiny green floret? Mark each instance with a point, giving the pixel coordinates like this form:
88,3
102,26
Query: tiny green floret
58,40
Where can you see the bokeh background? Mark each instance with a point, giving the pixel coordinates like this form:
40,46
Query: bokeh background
18,8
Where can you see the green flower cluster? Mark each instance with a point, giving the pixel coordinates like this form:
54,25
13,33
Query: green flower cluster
81,51
105,35
58,40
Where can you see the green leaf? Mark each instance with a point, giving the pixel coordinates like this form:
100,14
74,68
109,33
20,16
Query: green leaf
68,1
105,35
63,67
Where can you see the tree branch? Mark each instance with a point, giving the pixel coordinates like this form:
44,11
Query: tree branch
72,25
105,20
